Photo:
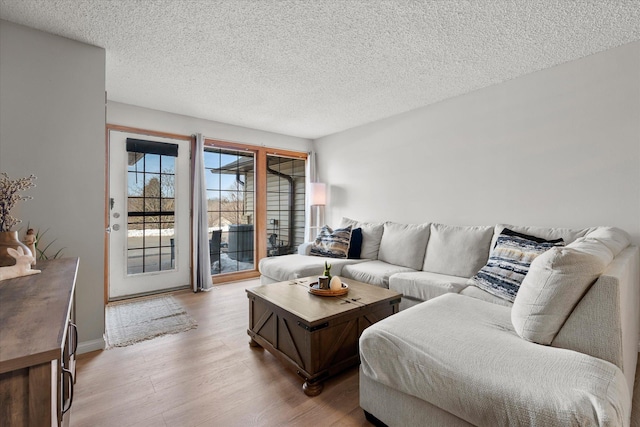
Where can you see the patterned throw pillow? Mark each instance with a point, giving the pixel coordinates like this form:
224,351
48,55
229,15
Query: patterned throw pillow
332,243
509,262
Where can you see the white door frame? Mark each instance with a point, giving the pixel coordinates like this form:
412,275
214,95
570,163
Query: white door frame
119,284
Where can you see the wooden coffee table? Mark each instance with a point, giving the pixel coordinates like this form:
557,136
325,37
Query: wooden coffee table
315,336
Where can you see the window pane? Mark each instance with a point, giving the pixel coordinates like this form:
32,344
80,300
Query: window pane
168,205
152,162
151,189
167,185
211,159
229,178
135,183
168,164
285,204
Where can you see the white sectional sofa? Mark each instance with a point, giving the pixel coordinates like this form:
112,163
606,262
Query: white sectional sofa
562,353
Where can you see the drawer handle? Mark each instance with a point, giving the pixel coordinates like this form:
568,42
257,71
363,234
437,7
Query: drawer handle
67,405
75,338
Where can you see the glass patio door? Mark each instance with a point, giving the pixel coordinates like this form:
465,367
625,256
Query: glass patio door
255,203
149,239
285,204
230,182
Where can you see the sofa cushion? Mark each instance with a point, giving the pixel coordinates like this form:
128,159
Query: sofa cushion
404,244
289,267
477,293
332,243
457,251
424,285
567,235
371,236
463,356
355,246
556,281
373,272
509,262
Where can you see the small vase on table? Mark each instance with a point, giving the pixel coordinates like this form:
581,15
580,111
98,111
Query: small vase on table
9,239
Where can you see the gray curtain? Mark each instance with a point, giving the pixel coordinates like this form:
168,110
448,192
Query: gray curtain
201,273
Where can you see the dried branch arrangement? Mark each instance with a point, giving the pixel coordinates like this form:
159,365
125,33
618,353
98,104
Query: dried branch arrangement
9,196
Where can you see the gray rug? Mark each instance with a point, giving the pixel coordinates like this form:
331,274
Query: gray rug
129,322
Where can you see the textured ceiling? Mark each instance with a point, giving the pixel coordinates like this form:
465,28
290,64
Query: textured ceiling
314,67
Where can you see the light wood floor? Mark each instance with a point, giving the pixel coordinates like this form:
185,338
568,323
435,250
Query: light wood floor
209,376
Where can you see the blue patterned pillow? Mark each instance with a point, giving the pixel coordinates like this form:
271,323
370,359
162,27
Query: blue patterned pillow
332,243
509,262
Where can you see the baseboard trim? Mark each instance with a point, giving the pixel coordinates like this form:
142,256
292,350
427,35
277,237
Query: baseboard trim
93,345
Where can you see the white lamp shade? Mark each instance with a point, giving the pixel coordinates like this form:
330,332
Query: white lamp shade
318,194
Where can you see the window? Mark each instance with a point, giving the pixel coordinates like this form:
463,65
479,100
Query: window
230,176
285,204
256,205
150,205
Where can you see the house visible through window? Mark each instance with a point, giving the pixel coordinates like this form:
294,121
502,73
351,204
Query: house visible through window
230,179
285,204
245,225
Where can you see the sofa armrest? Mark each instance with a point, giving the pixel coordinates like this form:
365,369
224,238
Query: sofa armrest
305,248
605,323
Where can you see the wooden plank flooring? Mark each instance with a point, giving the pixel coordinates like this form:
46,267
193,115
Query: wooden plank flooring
209,376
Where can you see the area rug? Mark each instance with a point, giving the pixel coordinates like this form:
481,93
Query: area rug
129,322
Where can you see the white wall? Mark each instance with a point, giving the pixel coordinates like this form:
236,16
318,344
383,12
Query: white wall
560,147
144,118
52,118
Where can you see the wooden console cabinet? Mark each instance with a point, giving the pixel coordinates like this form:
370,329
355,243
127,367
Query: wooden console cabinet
38,339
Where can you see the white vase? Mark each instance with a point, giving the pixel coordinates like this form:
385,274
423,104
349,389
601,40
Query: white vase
9,239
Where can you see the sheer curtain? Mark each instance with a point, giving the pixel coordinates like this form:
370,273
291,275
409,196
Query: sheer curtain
311,177
201,272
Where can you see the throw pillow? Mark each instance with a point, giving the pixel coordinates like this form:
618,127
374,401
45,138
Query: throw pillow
332,243
371,236
457,251
509,263
555,284
613,238
355,246
547,233
404,244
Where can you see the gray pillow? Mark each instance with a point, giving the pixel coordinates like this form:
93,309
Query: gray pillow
613,238
371,236
404,244
556,282
457,251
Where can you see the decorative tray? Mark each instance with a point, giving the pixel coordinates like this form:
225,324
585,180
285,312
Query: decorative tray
313,289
